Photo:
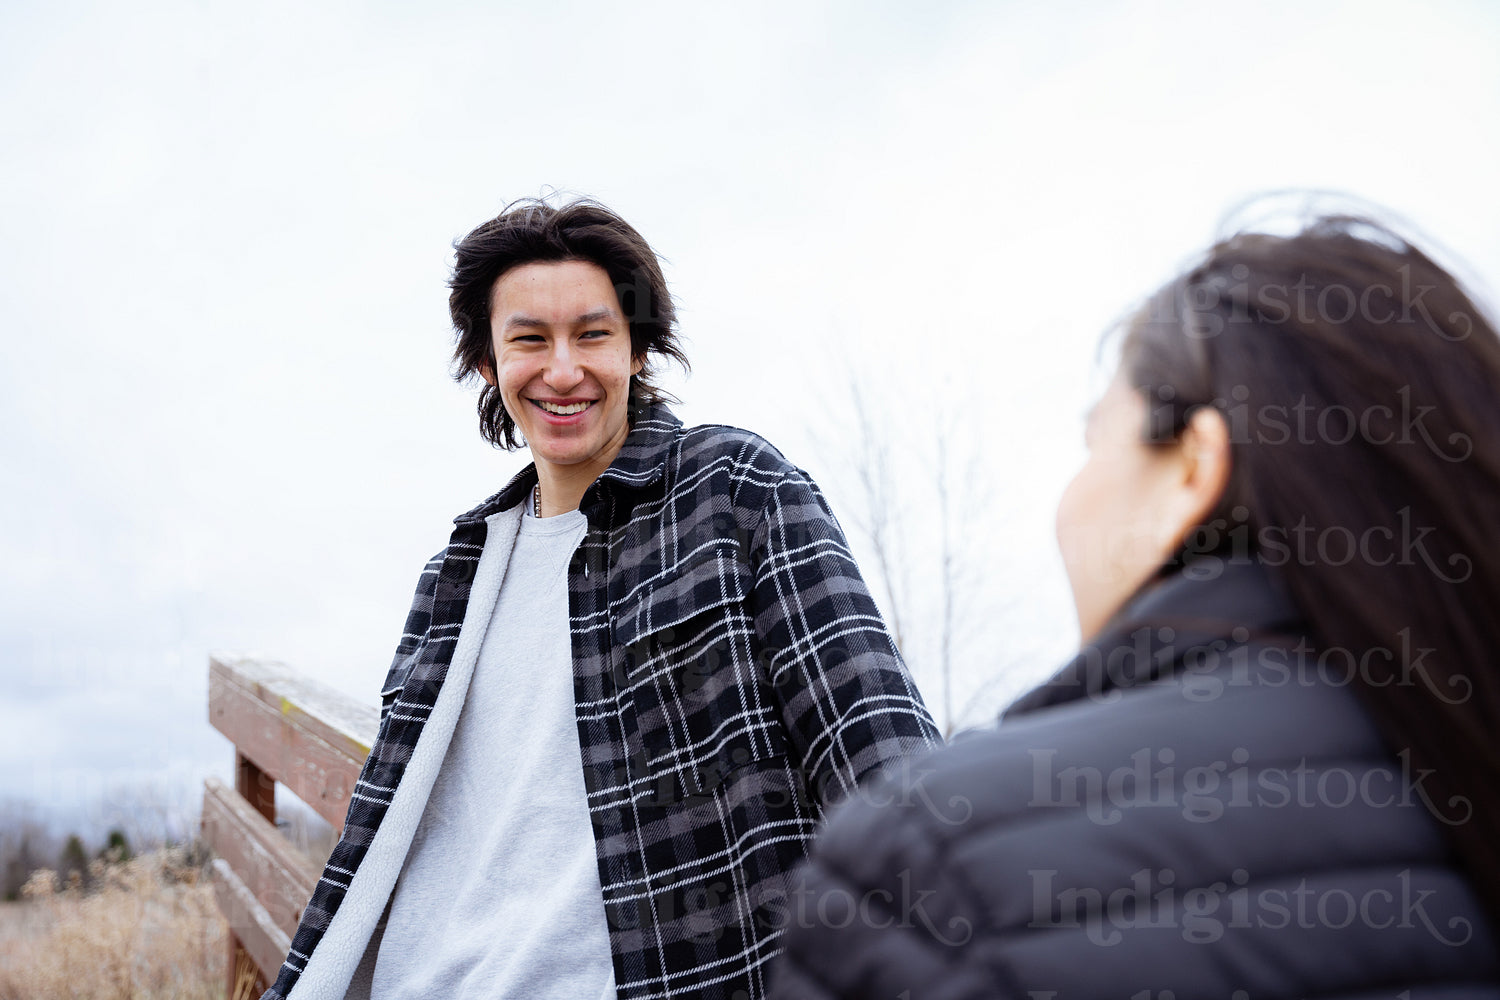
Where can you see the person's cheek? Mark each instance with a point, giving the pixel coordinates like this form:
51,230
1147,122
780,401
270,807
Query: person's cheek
1075,527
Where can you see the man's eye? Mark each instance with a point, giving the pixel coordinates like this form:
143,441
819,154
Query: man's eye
528,338
596,333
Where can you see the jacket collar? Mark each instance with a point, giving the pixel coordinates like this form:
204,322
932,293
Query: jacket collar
1200,606
642,461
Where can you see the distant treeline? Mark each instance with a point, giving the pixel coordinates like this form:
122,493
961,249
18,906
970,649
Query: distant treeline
27,846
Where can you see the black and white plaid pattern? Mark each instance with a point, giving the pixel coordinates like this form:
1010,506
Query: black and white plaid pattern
732,678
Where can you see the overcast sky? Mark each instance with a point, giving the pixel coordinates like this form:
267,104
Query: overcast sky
228,421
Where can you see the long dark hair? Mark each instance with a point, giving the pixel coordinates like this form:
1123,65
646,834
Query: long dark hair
528,231
1361,387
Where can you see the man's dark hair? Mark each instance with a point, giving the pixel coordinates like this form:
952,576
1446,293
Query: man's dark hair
530,231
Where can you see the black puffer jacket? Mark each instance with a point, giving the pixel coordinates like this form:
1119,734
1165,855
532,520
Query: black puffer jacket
1198,805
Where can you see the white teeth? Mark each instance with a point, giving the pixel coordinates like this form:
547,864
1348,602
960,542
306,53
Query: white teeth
563,411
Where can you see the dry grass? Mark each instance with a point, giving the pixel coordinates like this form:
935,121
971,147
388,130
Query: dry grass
148,929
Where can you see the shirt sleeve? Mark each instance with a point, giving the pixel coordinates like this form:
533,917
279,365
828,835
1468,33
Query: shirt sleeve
418,621
846,698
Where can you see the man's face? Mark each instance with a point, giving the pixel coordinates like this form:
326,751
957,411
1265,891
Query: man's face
563,364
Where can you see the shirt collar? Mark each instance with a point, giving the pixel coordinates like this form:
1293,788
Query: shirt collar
642,461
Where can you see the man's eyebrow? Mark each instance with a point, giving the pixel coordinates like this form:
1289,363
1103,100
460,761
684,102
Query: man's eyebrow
596,314
532,322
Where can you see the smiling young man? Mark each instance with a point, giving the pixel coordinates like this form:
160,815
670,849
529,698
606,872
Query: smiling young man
563,365
627,688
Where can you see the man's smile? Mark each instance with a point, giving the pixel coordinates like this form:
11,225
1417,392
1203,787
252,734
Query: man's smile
564,409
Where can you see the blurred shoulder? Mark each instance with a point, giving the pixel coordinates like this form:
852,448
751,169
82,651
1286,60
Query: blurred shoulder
1050,763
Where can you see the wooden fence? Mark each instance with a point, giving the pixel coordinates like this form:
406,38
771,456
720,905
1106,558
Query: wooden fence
309,738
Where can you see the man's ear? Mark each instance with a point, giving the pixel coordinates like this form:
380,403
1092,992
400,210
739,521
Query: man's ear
486,372
1203,468
637,363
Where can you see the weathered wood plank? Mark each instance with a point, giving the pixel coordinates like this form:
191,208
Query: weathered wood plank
277,875
309,737
263,941
334,717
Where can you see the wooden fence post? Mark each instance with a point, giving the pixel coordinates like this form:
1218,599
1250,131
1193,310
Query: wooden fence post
288,729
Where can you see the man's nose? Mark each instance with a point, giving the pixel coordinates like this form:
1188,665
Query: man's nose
563,370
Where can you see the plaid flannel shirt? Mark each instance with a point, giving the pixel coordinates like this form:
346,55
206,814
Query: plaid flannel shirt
732,678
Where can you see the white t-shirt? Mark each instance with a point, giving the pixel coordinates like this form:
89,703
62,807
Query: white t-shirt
499,896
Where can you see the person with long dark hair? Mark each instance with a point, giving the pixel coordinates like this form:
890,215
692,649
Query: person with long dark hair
1270,771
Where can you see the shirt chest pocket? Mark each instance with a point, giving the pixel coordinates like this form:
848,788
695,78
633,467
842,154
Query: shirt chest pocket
694,674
